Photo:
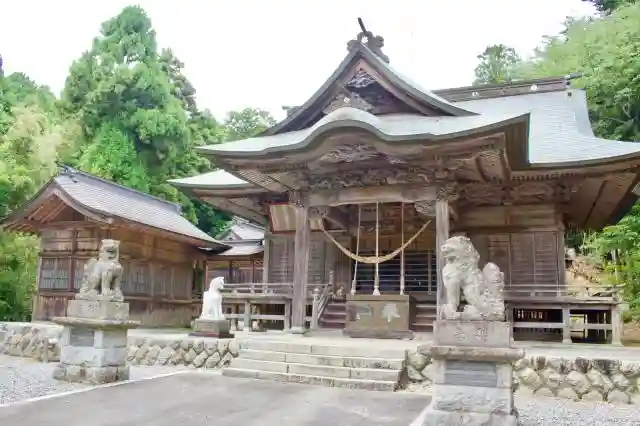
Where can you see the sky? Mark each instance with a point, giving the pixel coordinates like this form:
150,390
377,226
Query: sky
266,54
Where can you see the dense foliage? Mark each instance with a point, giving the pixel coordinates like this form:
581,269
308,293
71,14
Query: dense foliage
497,65
606,50
127,113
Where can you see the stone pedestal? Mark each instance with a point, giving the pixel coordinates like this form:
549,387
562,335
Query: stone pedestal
212,328
383,316
473,383
94,342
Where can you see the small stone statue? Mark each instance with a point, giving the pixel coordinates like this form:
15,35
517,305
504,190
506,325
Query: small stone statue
212,301
482,289
102,276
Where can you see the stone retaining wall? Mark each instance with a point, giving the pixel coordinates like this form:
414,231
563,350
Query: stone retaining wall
577,379
31,341
198,353
27,340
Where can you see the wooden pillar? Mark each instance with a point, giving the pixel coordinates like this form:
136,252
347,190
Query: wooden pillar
442,234
616,325
566,324
300,270
266,258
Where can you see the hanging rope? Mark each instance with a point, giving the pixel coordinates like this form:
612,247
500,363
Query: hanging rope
402,253
372,260
355,264
376,278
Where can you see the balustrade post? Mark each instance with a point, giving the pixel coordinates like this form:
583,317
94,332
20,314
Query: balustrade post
315,310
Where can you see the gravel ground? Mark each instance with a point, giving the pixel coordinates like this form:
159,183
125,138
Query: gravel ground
541,411
23,378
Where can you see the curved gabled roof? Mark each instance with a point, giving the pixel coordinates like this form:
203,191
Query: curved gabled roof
314,105
106,199
389,128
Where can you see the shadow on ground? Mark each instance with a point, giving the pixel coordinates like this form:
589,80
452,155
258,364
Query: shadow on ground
203,399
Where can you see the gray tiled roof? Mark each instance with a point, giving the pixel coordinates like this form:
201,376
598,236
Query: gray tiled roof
389,127
243,230
559,129
111,199
243,248
215,178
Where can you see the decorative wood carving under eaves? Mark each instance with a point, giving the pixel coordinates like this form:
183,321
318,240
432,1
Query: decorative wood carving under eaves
352,153
369,177
348,99
525,193
360,80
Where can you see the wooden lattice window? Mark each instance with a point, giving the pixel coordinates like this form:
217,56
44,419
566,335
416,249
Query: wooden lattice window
257,271
241,271
182,278
54,273
139,279
78,272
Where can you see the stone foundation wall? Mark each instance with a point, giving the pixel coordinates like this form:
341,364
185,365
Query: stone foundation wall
29,340
39,342
577,379
194,352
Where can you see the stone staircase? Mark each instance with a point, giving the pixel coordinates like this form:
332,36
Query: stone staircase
334,315
425,315
354,367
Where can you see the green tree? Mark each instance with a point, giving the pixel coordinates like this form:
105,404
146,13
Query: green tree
247,123
608,6
497,64
606,51
138,111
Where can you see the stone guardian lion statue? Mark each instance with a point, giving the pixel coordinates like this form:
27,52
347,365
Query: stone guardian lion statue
102,276
482,289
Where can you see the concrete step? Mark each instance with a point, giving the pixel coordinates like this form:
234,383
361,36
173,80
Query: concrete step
377,385
323,349
323,360
317,370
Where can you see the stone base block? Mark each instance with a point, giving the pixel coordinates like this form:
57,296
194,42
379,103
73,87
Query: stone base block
382,316
494,334
433,417
212,328
93,357
98,309
92,375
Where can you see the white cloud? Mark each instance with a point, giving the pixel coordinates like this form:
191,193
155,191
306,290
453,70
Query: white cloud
267,54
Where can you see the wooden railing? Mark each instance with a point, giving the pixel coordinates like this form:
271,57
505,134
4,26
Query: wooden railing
321,299
255,294
586,292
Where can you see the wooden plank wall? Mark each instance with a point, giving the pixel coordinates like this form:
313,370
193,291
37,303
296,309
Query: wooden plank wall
526,243
157,274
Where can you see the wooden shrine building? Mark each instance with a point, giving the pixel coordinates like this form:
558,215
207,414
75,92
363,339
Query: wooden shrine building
372,161
159,248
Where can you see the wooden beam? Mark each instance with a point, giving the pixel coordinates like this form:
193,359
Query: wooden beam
236,209
63,225
382,194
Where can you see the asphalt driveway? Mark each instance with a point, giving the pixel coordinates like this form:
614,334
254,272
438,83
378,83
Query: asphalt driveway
204,399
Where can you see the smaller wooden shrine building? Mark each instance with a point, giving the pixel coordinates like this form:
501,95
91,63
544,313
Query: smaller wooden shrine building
159,248
361,185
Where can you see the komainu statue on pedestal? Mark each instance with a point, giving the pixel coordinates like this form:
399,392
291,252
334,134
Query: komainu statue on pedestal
212,301
102,276
482,289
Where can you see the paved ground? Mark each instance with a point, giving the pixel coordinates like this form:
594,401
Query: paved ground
24,378
203,399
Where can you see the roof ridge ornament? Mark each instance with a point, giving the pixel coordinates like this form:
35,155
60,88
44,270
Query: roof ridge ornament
374,43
